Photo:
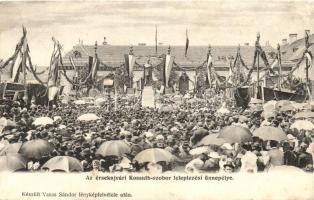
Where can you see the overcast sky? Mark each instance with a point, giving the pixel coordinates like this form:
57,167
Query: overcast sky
223,22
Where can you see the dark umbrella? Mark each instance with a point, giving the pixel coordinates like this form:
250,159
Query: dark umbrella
154,155
37,148
201,131
270,133
113,148
12,162
63,163
212,139
235,134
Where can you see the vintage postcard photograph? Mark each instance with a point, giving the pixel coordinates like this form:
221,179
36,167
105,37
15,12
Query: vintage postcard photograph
157,99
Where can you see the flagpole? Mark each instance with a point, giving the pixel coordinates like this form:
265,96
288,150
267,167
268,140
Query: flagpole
23,68
257,43
279,65
115,98
156,42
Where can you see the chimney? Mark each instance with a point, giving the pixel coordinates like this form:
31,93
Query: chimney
284,41
246,44
293,37
308,32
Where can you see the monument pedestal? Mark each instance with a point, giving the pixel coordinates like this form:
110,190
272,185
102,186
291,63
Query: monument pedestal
148,97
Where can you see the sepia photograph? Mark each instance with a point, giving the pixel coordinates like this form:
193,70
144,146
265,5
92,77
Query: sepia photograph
157,99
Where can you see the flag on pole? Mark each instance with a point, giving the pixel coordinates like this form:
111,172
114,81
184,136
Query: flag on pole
209,66
168,66
95,68
129,64
186,43
230,75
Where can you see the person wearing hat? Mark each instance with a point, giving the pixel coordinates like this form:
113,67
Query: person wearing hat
248,159
289,155
310,149
276,156
305,159
197,164
228,167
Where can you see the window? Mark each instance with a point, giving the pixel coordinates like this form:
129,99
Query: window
77,54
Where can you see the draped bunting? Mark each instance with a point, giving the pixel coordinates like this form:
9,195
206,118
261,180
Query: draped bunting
16,67
309,57
274,63
53,70
20,57
52,92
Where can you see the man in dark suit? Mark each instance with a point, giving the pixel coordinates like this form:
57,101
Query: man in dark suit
276,157
305,160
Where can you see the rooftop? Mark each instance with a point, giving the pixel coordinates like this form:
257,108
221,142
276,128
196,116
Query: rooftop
294,50
113,55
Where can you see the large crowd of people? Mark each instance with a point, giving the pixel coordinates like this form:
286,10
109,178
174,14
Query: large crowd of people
178,130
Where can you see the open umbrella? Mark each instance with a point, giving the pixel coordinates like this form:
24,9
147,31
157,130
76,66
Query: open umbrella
63,163
270,104
12,162
286,108
235,134
166,108
42,121
269,114
113,148
201,131
37,148
100,101
270,133
304,115
301,106
282,103
200,150
88,117
302,125
6,123
243,118
154,155
223,110
79,102
211,139
11,148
